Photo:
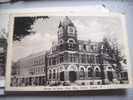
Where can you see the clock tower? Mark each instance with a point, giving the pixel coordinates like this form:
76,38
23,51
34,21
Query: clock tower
67,35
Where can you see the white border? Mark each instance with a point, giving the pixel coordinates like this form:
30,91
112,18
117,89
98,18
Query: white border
65,88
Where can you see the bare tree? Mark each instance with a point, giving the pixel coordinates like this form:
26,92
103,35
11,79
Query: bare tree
113,55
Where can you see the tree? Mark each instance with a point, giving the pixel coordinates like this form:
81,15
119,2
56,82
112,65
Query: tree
22,26
113,55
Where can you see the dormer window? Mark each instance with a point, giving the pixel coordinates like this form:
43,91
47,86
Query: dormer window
71,30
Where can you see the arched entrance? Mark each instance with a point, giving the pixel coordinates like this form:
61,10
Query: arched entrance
110,75
72,70
72,76
61,73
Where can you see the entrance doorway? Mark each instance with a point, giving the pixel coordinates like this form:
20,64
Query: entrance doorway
110,75
72,76
62,76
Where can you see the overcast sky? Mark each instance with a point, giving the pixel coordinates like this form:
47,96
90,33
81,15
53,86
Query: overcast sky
88,28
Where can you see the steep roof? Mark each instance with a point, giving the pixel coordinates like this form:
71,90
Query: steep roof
66,21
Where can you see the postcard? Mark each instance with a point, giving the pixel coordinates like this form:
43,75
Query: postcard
64,51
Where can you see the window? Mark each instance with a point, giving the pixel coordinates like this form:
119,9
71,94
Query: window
49,61
97,72
70,46
54,74
88,58
83,60
124,75
97,60
90,72
40,61
61,58
71,40
92,47
80,47
84,47
61,42
71,30
43,59
92,59
82,73
72,57
54,61
50,74
60,32
71,43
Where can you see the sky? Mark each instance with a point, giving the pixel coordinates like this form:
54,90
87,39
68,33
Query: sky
88,28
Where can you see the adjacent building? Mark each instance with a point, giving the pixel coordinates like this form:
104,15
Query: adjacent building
30,70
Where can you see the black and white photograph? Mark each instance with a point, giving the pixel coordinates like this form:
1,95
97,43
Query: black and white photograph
3,46
68,52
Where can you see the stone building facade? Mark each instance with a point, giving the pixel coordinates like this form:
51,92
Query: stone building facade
70,61
29,71
75,61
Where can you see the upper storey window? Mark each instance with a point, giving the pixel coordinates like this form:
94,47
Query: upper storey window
60,32
71,30
61,41
71,41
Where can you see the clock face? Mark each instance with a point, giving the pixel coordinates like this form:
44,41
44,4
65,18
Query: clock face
71,30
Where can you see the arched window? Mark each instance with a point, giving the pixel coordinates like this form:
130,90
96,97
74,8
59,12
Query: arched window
50,74
71,43
54,74
97,72
90,72
82,73
72,72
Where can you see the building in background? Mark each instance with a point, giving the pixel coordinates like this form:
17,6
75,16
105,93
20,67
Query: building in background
30,71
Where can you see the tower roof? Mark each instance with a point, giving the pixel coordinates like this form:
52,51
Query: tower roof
66,21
